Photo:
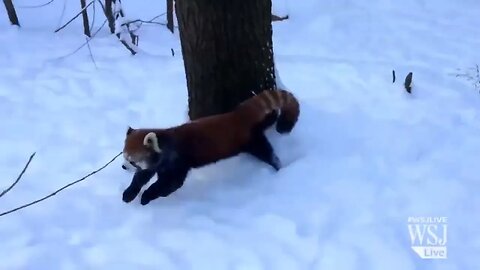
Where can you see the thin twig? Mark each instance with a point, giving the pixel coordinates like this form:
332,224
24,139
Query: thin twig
101,4
38,6
76,16
149,21
134,40
19,176
88,40
477,83
132,51
91,54
156,17
63,12
94,14
279,18
142,21
473,76
60,189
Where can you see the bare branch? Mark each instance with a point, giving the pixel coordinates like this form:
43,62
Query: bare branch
151,21
101,4
156,17
38,6
94,15
471,74
91,54
63,13
119,15
60,189
12,14
86,43
76,16
132,51
108,11
19,176
142,21
279,18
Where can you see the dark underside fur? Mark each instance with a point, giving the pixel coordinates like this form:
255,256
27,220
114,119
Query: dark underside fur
260,147
172,169
171,175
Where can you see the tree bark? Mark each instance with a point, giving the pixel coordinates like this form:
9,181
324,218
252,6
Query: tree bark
227,51
109,15
12,14
86,24
170,15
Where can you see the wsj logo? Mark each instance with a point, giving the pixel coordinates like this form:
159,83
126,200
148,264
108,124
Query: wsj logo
428,236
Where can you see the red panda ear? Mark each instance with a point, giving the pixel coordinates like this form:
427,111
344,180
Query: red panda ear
151,141
148,142
129,130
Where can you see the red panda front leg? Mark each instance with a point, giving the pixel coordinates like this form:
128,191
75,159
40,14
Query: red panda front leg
261,148
168,181
140,179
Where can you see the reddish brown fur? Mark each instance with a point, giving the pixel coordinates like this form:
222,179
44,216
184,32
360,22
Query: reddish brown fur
212,138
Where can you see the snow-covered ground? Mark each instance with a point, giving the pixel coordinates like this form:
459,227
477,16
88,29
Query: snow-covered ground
364,157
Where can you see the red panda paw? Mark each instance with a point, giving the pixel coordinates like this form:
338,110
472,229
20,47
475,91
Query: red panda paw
145,199
130,193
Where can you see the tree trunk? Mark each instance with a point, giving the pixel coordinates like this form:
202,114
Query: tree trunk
109,15
227,51
170,15
86,24
12,14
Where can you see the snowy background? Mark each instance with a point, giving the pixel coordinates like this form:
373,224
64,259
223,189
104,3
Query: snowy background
364,157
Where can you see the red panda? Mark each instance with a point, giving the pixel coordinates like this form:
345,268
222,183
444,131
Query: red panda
172,152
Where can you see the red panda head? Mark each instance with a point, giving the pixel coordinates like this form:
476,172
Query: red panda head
141,149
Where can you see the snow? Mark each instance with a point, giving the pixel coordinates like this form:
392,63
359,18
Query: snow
364,157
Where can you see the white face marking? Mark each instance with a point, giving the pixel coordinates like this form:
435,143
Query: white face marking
127,163
128,166
142,165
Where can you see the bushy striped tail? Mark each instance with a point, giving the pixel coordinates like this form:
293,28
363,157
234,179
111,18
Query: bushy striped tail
267,101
